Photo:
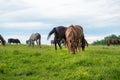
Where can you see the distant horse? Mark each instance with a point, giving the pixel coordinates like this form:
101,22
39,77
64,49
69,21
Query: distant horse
12,40
52,42
59,34
2,41
75,38
34,37
61,42
113,41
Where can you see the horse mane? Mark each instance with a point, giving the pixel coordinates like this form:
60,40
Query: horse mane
79,26
71,32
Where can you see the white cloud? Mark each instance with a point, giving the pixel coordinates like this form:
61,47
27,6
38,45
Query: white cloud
91,38
99,13
25,25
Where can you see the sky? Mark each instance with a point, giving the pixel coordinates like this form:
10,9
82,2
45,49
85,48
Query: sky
20,18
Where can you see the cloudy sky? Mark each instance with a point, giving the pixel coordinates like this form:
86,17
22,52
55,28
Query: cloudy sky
21,18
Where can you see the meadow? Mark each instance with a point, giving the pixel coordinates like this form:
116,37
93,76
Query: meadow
19,62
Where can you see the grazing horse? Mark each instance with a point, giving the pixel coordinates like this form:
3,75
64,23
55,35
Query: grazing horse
61,42
34,37
113,41
52,42
75,38
59,34
2,41
12,40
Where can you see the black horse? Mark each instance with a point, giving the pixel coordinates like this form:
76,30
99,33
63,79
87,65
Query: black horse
59,34
12,40
2,41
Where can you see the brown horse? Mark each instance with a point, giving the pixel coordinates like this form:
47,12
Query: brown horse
113,41
75,38
3,42
59,34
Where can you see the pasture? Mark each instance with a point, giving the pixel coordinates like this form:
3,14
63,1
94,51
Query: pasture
19,62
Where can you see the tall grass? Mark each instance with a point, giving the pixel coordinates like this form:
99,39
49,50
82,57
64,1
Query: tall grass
19,62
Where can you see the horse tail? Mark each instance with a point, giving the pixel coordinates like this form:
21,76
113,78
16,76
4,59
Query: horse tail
83,43
51,32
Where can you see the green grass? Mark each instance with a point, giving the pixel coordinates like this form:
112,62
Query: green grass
19,62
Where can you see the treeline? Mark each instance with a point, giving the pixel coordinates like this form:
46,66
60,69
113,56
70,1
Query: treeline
103,41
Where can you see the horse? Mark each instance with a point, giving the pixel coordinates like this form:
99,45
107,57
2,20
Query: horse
12,40
75,38
2,41
61,42
52,42
34,37
59,34
113,41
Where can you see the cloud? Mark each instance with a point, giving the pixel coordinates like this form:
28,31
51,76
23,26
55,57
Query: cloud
24,25
90,38
100,13
11,5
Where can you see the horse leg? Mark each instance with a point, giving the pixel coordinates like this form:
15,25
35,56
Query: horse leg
68,46
40,43
32,42
36,42
59,44
78,47
55,40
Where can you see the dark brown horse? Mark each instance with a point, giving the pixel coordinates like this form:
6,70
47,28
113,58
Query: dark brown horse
59,34
3,42
113,41
12,40
75,38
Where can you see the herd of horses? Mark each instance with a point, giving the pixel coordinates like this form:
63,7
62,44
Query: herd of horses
72,37
34,37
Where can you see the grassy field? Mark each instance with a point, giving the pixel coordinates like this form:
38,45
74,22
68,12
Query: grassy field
18,62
